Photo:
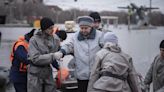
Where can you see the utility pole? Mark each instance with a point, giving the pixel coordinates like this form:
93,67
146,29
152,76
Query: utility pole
74,11
150,11
150,6
129,17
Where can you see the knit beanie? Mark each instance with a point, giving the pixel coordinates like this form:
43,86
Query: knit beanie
110,37
85,21
45,23
161,44
95,16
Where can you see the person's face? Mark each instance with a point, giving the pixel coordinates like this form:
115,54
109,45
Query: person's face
162,52
85,30
50,30
96,24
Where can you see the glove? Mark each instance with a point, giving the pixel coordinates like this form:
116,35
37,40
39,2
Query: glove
145,87
55,64
58,55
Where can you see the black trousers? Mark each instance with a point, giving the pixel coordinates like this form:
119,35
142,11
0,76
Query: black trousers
20,87
82,85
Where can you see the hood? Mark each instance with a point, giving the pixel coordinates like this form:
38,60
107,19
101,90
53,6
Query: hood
112,47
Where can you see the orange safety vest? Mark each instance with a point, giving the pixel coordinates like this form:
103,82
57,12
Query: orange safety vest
20,41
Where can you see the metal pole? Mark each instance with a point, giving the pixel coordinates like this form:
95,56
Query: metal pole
150,6
150,12
129,18
74,12
129,22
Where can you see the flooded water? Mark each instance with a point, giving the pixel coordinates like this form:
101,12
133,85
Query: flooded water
142,45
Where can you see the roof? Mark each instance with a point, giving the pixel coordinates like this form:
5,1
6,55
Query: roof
109,17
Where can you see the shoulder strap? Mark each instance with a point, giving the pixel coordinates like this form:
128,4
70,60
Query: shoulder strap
12,52
105,56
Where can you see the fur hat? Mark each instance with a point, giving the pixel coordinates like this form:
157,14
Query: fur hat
85,20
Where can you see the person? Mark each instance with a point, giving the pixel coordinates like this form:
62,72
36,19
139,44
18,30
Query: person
113,70
97,20
41,54
155,73
18,57
83,45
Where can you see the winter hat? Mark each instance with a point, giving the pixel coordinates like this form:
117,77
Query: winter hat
85,21
95,16
161,44
61,34
110,37
45,23
29,35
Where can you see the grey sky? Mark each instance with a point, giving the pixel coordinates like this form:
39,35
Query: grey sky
99,5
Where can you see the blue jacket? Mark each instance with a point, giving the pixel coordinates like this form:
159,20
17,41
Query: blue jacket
20,55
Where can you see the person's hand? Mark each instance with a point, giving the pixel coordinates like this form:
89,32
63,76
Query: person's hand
58,55
55,64
145,87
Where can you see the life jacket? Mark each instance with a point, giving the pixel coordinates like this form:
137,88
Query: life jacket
21,41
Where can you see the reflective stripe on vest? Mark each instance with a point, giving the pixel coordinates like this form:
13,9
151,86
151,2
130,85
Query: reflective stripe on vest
21,41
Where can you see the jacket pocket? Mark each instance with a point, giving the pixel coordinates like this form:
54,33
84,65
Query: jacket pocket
108,84
41,72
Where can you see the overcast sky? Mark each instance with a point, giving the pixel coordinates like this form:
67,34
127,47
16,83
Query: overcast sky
99,5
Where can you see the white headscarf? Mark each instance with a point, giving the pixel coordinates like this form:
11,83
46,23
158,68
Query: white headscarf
110,37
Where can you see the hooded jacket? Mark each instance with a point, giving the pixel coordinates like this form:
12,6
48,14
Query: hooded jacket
112,60
41,49
155,74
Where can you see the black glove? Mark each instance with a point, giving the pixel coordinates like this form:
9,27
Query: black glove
55,64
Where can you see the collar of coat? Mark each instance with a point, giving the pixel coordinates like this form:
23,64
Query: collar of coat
44,35
91,35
